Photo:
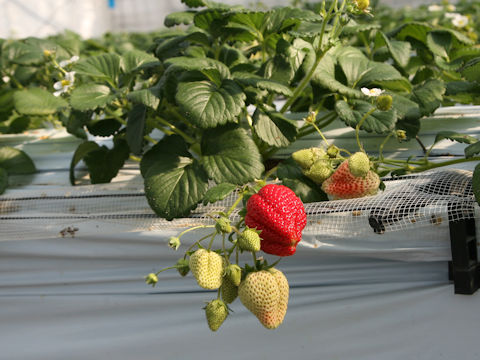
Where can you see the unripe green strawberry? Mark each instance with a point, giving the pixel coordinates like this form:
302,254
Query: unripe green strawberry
223,225
216,312
362,4
384,102
234,273
229,290
332,151
319,171
249,240
208,268
359,164
303,157
265,294
183,267
344,185
307,157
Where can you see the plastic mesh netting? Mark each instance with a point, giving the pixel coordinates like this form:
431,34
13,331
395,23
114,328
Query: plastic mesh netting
411,202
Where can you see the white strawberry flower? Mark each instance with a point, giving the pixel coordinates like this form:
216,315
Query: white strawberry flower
73,59
452,15
62,86
435,7
371,92
460,21
6,79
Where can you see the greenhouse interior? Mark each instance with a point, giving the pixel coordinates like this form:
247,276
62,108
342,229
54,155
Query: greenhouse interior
198,179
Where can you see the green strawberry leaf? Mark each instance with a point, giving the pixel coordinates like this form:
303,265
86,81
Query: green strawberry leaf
289,169
247,79
325,76
74,122
381,122
306,190
414,30
179,18
194,3
439,43
3,180
429,95
37,101
135,60
274,128
82,150
224,157
217,193
476,183
147,97
472,149
173,145
400,50
24,54
15,161
136,128
103,163
91,96
455,136
105,66
174,185
471,70
208,105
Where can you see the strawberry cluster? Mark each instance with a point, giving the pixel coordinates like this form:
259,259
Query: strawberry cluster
273,223
352,178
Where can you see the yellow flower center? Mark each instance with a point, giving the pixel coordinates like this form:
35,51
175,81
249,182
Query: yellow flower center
65,82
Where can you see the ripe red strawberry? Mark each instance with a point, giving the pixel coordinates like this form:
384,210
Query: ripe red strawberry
265,294
280,215
342,184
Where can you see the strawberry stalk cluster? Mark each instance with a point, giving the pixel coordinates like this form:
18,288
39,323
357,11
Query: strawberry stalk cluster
271,221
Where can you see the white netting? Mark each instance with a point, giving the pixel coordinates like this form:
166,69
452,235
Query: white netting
408,203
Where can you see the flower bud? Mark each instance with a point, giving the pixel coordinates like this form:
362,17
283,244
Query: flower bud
151,279
234,273
223,225
47,53
384,102
174,242
401,135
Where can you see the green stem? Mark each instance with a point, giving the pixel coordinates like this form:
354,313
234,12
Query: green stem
318,57
167,268
357,128
211,241
380,149
433,165
235,204
254,259
195,228
320,133
224,251
186,137
197,243
327,120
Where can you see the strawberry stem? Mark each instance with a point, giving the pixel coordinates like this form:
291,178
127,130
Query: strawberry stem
197,243
357,128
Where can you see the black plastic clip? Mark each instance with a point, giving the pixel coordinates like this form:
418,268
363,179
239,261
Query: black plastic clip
464,268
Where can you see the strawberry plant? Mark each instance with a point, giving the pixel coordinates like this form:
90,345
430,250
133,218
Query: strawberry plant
186,102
